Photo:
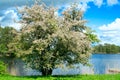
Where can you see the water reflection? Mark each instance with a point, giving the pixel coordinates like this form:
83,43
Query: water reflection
102,63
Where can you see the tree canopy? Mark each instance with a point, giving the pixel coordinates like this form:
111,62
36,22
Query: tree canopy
50,41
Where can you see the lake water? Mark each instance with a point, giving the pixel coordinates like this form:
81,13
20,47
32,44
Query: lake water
101,63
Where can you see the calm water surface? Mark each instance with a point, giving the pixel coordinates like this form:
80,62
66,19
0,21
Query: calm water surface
101,63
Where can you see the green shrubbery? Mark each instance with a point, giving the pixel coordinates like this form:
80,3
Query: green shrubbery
2,68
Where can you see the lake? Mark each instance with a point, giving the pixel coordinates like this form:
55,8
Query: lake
101,64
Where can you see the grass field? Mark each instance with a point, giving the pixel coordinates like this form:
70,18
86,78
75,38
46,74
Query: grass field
76,77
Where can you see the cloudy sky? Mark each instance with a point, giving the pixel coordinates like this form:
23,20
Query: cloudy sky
102,15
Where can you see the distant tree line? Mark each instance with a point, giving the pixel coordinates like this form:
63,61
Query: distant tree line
106,48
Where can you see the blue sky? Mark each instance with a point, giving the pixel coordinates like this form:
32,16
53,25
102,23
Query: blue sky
102,15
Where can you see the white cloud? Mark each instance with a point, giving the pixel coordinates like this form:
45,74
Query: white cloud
1,18
98,3
4,4
10,18
112,26
84,6
112,2
110,33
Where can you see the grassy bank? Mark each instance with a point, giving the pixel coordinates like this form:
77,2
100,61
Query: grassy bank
77,77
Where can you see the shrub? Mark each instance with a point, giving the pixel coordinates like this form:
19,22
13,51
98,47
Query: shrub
3,68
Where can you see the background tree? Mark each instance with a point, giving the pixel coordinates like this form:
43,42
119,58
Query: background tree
107,48
8,44
7,35
48,41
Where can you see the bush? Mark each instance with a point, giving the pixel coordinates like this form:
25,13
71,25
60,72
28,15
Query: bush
3,68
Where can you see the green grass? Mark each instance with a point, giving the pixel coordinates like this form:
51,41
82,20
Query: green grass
76,77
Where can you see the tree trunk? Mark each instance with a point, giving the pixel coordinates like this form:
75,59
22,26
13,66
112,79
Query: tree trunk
46,71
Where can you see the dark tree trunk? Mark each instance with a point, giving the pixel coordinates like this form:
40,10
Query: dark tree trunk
46,72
